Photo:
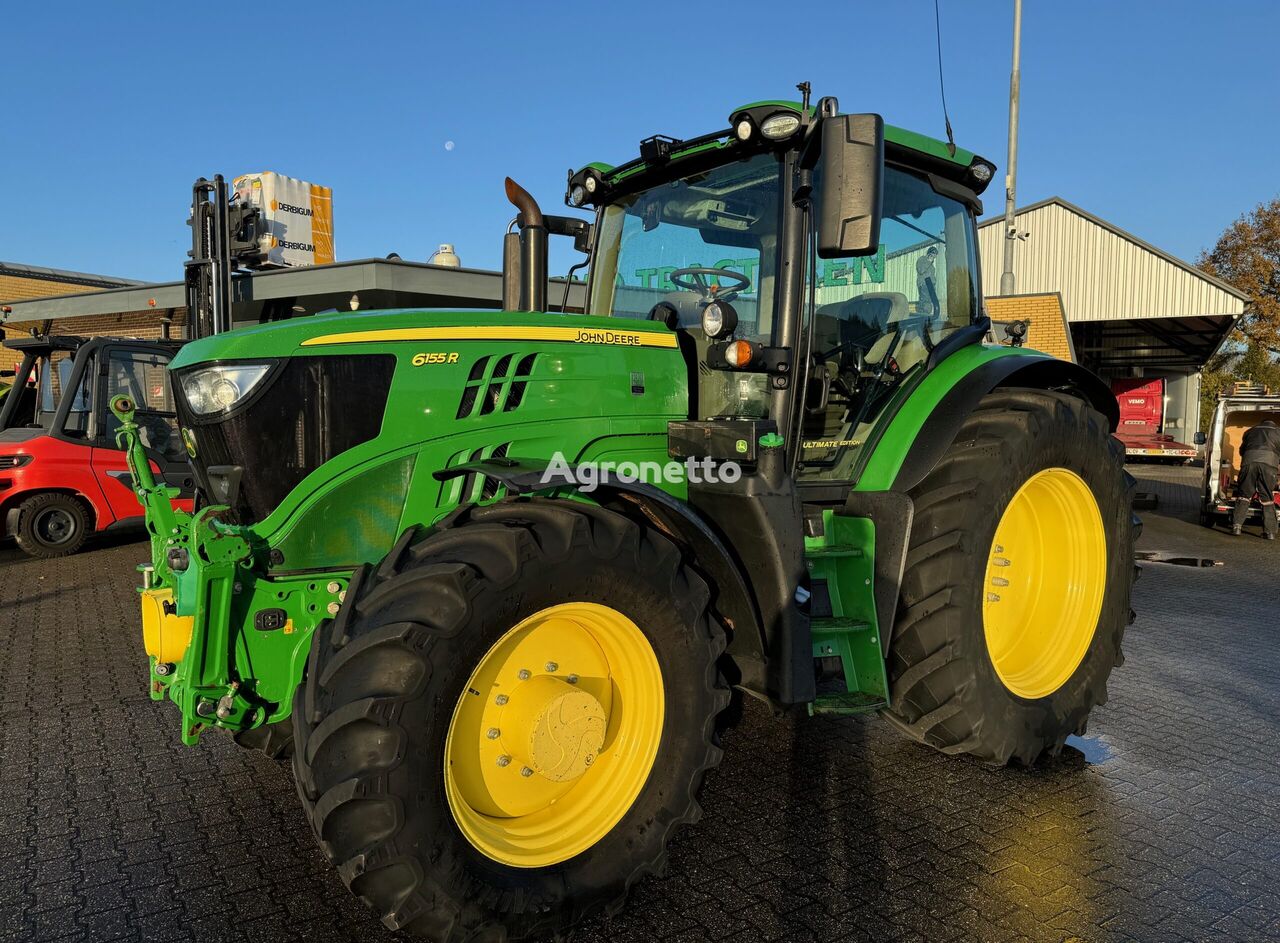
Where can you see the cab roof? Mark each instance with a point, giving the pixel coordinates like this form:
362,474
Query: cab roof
932,150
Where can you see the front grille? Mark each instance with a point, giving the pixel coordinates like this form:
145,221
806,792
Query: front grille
312,410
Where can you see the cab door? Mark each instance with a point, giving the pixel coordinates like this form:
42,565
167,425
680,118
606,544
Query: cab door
141,373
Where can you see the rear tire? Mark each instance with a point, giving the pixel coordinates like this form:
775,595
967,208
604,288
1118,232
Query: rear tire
374,718
946,691
52,525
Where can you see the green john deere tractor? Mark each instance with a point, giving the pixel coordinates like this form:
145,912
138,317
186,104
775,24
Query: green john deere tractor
493,579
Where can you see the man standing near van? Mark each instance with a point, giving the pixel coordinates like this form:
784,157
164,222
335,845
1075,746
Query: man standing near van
1259,465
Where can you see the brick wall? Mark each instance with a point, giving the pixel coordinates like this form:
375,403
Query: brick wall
131,324
1047,330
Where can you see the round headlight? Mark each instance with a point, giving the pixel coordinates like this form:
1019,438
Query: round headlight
224,393
591,183
981,172
777,127
719,319
197,393
743,130
578,195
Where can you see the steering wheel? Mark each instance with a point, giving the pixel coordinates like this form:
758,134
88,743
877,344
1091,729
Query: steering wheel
695,279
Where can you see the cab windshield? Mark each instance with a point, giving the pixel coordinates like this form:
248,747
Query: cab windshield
652,244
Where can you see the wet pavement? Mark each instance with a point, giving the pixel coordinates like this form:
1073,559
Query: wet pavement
1162,824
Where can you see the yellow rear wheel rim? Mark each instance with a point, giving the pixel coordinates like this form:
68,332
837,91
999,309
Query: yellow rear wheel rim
1044,583
554,735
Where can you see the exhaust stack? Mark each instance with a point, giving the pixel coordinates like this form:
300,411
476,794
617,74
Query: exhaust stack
532,276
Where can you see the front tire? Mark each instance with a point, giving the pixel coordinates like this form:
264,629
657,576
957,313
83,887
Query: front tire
1002,652
400,742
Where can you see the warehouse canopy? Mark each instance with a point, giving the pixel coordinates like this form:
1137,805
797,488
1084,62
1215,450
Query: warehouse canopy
282,293
1128,303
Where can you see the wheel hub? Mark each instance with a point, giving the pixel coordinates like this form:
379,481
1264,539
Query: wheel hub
55,526
553,728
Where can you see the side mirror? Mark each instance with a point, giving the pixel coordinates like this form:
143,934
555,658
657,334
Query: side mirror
1199,439
578,229
851,171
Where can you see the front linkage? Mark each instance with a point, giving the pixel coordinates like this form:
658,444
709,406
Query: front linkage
208,610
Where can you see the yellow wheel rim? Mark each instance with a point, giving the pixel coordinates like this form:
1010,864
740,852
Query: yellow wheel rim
554,735
1045,579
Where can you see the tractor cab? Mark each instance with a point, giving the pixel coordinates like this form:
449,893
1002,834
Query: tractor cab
62,474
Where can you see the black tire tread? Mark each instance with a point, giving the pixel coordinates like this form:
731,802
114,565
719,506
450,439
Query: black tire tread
926,678
347,736
27,541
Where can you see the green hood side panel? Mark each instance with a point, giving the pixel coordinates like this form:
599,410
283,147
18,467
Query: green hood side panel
466,386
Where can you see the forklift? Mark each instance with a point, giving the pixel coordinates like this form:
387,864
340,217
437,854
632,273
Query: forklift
62,475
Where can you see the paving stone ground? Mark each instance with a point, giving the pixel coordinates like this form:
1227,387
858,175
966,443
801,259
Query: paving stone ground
1163,825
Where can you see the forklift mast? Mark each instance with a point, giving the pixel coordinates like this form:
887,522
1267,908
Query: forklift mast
224,236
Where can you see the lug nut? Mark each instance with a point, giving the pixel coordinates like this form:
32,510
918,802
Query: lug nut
552,667
342,596
523,674
504,760
526,772
1001,561
572,679
334,586
992,597
333,608
999,581
493,733
501,699
164,668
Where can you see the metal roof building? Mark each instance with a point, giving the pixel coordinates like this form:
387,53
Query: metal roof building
1128,302
1133,309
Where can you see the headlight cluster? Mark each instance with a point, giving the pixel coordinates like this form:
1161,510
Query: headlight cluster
217,389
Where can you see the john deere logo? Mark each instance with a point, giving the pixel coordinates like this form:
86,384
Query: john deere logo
189,440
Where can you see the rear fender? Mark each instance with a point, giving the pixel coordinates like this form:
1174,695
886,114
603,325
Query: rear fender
918,437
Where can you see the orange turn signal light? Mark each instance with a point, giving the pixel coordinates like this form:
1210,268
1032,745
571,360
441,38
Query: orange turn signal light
739,353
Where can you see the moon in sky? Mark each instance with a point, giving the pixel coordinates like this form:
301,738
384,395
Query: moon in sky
448,145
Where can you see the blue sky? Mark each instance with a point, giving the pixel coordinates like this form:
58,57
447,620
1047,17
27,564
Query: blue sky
1163,117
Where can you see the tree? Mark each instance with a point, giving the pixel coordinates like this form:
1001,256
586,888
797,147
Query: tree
1247,256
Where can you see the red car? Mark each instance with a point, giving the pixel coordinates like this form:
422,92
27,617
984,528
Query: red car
61,475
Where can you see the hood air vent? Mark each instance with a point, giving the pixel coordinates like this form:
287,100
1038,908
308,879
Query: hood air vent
494,386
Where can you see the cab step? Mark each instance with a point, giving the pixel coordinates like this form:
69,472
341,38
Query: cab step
856,644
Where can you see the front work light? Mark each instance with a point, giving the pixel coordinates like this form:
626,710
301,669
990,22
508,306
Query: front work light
217,389
578,195
719,319
744,129
779,126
